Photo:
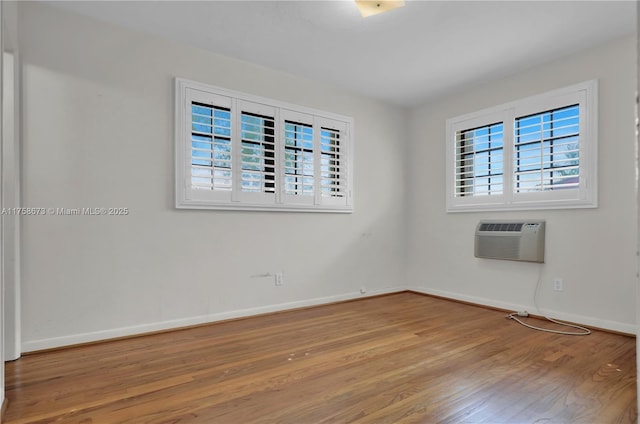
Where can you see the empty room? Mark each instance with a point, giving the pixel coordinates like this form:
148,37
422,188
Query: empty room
319,212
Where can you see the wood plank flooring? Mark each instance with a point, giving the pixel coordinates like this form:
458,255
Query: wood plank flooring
401,358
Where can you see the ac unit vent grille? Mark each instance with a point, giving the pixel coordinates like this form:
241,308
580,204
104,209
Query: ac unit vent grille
499,247
501,226
515,241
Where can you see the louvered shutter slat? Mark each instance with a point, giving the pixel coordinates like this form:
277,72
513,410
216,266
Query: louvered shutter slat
210,147
547,150
258,153
332,178
298,167
479,161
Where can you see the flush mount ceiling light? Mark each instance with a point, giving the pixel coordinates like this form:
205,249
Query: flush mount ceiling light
373,7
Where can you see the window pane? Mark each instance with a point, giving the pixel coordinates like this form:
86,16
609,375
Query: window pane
332,182
479,156
257,153
210,147
298,165
547,150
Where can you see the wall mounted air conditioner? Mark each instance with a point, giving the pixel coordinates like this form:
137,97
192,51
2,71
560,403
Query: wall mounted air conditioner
511,240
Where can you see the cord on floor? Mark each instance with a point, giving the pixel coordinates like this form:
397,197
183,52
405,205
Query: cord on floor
583,331
515,316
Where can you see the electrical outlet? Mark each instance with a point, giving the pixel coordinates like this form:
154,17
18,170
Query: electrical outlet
279,279
558,284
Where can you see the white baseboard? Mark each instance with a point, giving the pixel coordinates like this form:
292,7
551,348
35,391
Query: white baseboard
74,339
562,316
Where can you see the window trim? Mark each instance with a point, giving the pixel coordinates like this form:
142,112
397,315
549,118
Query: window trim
585,196
186,197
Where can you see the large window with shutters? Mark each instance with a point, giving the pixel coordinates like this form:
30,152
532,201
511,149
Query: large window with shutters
535,153
238,151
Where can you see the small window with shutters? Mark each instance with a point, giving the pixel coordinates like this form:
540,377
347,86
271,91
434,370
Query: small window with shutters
536,153
237,151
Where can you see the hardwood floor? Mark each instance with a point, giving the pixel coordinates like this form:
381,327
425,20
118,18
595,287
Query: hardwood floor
402,358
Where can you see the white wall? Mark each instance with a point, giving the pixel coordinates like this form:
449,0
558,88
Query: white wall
592,250
98,132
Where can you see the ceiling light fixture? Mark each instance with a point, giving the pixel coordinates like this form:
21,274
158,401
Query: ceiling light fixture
373,7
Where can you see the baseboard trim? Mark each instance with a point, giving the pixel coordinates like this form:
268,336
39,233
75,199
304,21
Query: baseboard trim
592,323
36,346
54,343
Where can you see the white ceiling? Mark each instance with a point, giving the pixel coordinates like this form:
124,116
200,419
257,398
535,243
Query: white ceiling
407,56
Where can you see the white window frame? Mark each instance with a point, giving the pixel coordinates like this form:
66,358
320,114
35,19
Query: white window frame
584,94
187,196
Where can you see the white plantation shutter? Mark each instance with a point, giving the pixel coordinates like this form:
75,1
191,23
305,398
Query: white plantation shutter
257,152
210,147
479,161
298,151
555,149
208,171
236,151
333,169
331,178
547,150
